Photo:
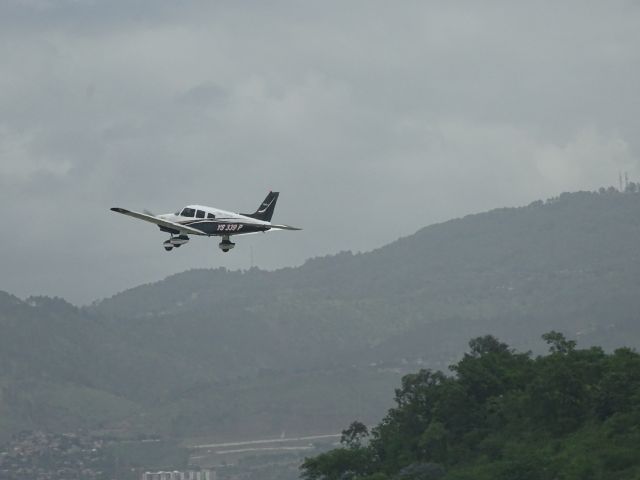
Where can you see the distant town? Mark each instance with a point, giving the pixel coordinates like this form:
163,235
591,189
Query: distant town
48,456
39,455
77,456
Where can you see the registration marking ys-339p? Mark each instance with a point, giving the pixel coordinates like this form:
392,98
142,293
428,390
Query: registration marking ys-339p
230,227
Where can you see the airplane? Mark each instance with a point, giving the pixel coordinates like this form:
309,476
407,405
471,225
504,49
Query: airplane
211,222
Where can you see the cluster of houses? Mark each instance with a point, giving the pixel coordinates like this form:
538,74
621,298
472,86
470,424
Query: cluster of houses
49,456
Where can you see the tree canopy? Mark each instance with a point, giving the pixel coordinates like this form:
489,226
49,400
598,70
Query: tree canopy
571,414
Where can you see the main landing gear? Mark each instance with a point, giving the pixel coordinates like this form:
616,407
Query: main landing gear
226,244
176,242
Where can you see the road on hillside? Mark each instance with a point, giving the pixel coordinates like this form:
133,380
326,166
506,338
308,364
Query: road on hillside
267,441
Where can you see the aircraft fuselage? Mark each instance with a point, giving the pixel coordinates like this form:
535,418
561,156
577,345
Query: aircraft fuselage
214,222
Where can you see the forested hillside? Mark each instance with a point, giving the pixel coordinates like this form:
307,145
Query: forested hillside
573,414
214,352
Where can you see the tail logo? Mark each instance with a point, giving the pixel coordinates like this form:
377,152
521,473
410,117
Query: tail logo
265,206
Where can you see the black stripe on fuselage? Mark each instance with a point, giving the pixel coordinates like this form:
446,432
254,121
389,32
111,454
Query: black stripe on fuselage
225,228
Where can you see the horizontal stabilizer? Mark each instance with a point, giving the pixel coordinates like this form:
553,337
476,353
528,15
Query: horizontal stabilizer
284,227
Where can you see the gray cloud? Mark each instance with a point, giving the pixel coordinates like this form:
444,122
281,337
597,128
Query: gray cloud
374,119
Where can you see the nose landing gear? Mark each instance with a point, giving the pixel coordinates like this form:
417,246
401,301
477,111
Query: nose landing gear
226,244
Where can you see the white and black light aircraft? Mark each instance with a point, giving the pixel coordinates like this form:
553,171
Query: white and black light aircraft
211,222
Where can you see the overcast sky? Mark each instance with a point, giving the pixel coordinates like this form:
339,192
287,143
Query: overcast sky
373,119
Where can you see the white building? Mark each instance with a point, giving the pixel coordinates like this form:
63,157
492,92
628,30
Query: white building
203,474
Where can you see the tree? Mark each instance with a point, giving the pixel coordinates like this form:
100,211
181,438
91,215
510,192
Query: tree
558,343
488,344
338,464
353,436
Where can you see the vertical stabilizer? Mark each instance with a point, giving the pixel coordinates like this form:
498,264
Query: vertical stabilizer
266,208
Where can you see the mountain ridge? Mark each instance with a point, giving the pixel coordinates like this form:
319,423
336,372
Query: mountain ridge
570,263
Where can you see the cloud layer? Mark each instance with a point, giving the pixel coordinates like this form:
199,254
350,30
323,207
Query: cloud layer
373,119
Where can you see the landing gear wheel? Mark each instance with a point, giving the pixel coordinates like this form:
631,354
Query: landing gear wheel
175,242
226,244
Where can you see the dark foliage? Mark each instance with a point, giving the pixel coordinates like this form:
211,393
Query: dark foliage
572,415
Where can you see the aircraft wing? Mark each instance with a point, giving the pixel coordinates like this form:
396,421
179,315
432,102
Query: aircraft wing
158,221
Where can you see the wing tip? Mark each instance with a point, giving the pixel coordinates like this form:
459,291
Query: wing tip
118,209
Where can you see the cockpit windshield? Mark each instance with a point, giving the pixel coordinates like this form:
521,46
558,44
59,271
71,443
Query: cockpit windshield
187,212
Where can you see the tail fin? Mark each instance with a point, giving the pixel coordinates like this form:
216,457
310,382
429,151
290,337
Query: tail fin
266,208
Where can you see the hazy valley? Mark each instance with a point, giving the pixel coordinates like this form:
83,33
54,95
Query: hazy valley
228,355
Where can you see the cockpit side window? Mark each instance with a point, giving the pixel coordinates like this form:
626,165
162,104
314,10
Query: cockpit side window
188,212
199,214
210,215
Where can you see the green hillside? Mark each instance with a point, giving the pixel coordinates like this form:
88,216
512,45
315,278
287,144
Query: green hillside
257,345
